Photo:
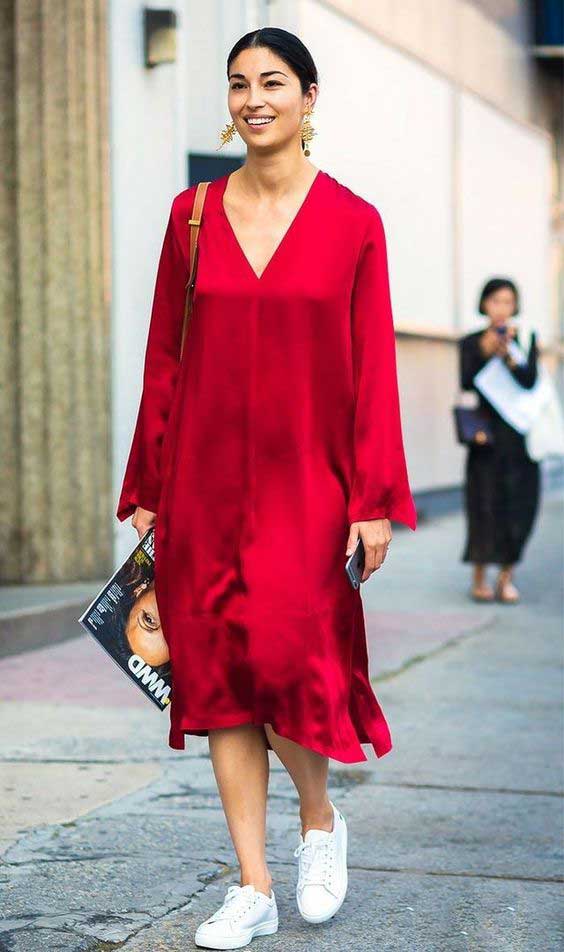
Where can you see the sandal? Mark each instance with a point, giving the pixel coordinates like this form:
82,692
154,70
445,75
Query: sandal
507,593
482,593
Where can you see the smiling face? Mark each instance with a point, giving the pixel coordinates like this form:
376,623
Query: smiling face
264,88
500,307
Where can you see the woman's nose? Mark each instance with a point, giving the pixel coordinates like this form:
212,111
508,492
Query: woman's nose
254,99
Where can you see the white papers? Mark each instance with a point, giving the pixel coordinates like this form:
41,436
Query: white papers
546,436
516,352
518,405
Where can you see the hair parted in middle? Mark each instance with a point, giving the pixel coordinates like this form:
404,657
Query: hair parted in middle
286,45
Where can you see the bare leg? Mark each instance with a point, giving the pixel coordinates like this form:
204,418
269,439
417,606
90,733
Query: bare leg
308,771
505,586
240,763
480,585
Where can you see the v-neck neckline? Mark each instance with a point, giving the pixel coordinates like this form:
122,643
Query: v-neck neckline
258,278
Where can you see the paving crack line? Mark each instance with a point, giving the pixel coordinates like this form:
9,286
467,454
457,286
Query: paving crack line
434,652
446,874
558,794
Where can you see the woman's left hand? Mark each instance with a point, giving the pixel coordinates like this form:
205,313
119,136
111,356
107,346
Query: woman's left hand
376,535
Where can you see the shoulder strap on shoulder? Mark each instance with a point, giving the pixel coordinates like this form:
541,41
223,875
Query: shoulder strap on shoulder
194,224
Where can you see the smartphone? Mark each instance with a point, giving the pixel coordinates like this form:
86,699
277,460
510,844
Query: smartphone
354,566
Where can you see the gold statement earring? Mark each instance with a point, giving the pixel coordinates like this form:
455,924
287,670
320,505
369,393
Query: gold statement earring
308,131
226,134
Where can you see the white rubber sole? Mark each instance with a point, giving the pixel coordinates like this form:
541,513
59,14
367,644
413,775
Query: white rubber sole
329,915
262,928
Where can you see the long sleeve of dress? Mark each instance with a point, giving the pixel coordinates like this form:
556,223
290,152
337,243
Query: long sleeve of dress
142,478
380,487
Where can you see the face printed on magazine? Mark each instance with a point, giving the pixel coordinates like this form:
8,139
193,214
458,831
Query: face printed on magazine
143,628
124,619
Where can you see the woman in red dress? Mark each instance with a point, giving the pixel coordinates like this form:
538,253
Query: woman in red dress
260,457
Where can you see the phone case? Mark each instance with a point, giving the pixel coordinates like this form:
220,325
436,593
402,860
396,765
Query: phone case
354,566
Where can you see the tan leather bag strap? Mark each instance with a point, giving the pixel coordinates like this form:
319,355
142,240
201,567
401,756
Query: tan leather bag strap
194,225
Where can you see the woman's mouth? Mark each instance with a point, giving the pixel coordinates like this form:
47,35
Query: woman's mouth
256,122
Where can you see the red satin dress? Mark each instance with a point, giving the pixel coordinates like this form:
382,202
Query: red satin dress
279,427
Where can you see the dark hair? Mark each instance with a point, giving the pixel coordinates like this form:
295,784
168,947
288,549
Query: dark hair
286,45
496,284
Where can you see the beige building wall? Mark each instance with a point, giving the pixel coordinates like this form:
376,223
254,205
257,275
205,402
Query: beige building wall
55,516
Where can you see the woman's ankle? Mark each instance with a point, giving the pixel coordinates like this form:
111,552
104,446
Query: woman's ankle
261,881
319,817
479,573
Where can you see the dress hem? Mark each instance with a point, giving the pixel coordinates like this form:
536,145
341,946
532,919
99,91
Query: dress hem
177,739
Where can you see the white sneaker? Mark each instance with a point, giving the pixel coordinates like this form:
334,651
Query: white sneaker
245,913
322,870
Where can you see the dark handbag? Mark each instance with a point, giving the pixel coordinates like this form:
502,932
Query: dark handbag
472,426
194,225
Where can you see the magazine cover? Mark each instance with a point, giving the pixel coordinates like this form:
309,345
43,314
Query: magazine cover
124,619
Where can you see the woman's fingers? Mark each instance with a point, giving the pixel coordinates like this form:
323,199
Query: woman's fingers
142,520
354,533
376,536
374,557
489,342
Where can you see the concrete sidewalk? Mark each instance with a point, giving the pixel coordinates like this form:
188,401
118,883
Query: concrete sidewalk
110,839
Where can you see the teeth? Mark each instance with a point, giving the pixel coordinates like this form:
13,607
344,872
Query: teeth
259,122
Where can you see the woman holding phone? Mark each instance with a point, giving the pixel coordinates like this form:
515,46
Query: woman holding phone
502,483
261,457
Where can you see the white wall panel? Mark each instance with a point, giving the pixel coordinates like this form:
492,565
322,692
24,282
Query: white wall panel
504,210
144,140
384,126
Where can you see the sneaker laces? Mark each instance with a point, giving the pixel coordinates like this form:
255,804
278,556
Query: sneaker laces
315,862
237,902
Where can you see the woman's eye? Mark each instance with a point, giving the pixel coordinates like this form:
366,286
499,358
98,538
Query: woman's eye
271,82
149,621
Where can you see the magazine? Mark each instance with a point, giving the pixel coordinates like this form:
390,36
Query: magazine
124,620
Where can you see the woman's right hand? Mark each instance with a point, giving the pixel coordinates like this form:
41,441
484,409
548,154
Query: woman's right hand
489,342
143,519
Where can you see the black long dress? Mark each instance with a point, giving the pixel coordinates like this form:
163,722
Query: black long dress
502,483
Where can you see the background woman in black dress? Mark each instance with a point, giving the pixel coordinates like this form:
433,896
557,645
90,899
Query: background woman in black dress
502,482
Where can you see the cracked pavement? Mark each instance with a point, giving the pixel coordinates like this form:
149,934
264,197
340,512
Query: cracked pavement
111,840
